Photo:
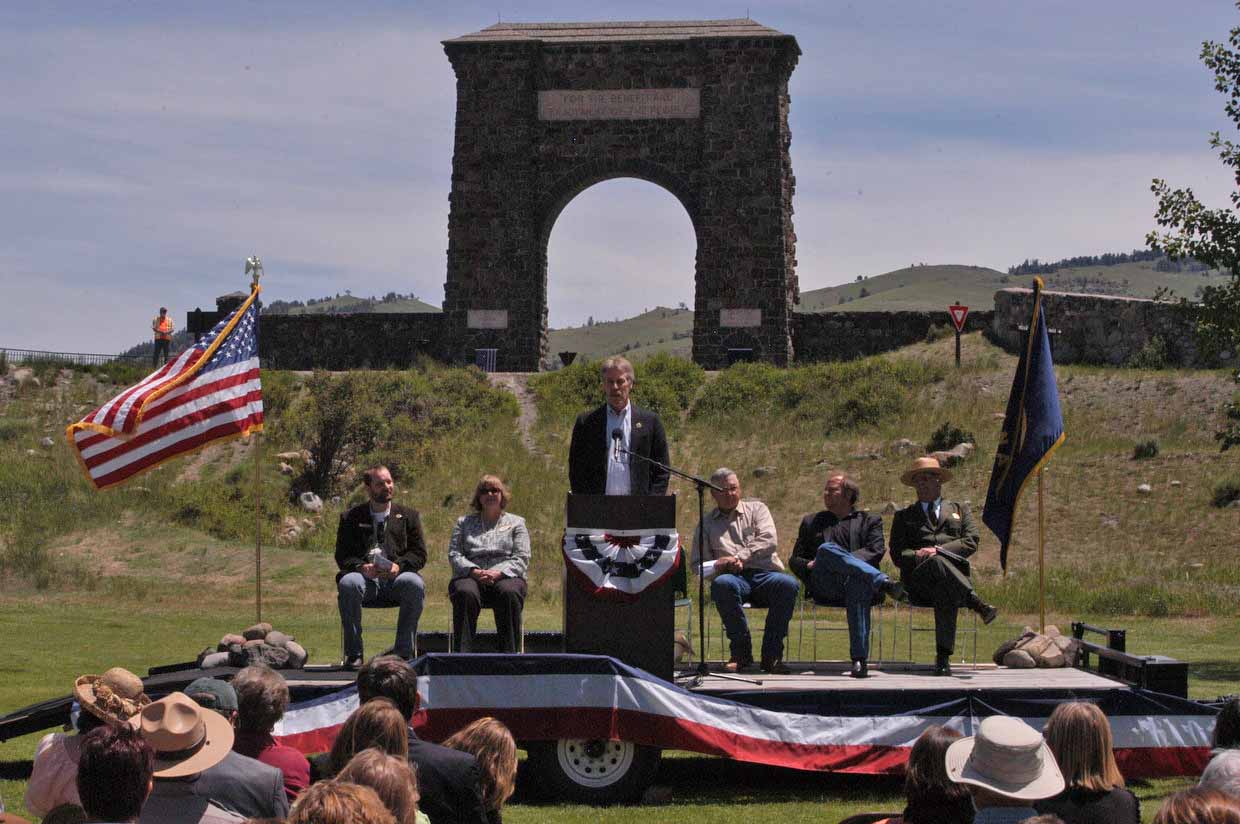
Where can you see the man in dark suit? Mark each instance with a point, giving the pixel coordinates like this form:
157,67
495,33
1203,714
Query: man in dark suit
449,780
595,465
929,541
388,578
837,554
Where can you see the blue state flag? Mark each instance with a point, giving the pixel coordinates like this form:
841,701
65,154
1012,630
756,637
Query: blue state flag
1032,429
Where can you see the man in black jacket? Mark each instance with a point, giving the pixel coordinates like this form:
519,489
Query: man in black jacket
837,555
596,463
388,578
449,781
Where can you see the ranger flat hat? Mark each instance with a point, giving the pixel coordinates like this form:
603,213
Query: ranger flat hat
1007,757
187,738
925,464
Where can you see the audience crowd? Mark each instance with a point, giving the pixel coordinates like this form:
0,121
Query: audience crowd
208,756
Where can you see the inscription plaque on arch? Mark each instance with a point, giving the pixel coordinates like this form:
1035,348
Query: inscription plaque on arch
740,318
487,319
620,104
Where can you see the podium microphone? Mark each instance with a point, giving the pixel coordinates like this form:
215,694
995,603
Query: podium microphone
616,435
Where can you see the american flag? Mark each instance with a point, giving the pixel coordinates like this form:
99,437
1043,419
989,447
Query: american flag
210,392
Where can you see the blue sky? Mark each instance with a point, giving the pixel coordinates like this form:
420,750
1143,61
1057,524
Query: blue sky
146,149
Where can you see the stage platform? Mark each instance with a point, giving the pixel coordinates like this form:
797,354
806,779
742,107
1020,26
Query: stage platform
833,675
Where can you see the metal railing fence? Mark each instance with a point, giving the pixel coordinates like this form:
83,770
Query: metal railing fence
79,358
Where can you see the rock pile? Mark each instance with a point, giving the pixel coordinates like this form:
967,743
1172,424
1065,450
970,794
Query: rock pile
259,644
1034,649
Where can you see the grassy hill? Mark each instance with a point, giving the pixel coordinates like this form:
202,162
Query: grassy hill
934,287
156,570
347,305
659,330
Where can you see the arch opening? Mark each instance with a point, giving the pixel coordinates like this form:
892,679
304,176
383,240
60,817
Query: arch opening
615,249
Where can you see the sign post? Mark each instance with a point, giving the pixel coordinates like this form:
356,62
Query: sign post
958,312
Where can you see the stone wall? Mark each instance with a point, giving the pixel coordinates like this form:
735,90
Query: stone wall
827,336
1099,328
360,341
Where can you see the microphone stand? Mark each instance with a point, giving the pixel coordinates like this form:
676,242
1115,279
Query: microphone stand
700,484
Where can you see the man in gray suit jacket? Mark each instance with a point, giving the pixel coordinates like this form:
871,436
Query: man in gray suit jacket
198,778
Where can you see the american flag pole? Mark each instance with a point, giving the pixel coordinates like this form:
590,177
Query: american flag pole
254,267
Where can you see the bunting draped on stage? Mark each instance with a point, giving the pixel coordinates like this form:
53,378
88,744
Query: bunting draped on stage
210,392
1032,429
544,697
620,564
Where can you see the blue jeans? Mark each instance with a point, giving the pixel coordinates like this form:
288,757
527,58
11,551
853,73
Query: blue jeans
355,591
776,591
838,577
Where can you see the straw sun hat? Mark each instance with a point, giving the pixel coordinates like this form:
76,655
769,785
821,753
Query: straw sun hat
116,696
1007,757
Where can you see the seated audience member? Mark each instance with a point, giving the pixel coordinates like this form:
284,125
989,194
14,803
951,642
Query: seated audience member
262,698
837,555
1223,773
188,740
391,777
215,694
448,781
930,798
1006,767
1079,736
375,724
111,698
492,744
1227,726
489,553
390,579
921,534
335,802
63,814
742,543
114,775
1199,806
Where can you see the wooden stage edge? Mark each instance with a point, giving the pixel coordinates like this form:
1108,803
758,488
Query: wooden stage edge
833,675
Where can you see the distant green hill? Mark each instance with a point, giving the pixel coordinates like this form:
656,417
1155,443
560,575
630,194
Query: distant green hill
659,330
349,305
934,287
918,287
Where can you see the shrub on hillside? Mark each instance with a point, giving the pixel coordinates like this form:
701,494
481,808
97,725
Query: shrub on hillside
1145,450
665,384
13,428
1229,435
1226,491
343,418
829,397
938,331
947,437
1153,355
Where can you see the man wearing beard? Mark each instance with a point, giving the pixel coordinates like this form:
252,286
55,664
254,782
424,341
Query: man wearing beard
379,550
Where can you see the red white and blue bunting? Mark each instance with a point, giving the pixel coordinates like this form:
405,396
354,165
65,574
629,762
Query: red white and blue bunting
620,564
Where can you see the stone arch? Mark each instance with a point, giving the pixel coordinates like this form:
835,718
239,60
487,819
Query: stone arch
544,111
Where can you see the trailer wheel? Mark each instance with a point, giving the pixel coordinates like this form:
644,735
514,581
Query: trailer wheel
592,771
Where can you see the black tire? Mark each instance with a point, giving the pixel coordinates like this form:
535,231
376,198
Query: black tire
590,771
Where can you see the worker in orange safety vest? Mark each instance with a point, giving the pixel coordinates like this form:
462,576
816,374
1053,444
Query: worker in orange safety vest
162,327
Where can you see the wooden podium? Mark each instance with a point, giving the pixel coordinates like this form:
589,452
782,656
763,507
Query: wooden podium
638,632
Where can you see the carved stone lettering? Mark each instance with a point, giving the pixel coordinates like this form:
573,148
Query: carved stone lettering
740,318
487,319
620,104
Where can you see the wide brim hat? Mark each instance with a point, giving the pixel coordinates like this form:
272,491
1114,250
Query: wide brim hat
115,697
926,464
187,738
1007,757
